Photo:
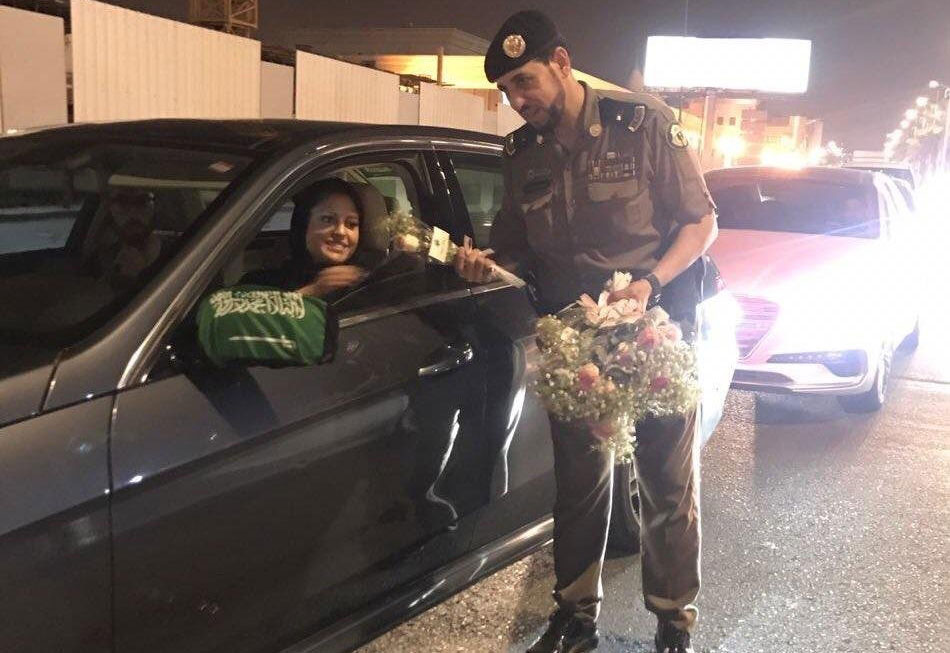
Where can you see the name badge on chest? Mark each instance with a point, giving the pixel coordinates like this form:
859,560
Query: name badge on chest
611,167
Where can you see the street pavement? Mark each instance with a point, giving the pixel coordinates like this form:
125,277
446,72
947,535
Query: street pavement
822,531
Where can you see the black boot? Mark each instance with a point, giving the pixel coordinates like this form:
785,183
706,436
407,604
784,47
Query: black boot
567,633
670,639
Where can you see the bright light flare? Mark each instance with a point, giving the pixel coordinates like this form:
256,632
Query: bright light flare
731,146
771,65
779,158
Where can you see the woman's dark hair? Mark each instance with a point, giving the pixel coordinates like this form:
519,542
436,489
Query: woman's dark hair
304,201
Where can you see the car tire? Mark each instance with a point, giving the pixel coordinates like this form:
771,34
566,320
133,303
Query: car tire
873,399
912,340
623,535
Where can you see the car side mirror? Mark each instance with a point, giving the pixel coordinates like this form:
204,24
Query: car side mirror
258,325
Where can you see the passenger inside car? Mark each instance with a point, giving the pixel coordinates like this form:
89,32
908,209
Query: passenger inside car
128,246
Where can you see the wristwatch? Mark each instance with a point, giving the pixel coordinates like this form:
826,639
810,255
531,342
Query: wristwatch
656,289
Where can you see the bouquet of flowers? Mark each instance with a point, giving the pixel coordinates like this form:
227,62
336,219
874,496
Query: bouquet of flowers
612,364
407,233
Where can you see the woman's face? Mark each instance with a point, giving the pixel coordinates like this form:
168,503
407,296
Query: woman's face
334,230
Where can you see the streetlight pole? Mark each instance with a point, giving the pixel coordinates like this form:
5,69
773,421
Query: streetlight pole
944,154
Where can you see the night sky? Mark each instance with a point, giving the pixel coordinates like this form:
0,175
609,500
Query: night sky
870,58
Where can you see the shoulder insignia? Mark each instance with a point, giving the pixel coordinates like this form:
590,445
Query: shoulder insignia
639,113
517,139
677,137
629,113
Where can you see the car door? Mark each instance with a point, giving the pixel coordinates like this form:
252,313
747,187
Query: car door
518,449
255,506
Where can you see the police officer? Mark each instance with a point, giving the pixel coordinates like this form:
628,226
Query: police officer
597,182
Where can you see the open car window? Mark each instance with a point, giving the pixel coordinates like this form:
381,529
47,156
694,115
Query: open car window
393,183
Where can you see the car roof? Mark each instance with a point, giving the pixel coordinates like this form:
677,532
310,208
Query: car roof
846,176
253,137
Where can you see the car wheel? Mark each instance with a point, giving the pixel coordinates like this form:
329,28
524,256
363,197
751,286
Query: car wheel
873,399
624,532
912,340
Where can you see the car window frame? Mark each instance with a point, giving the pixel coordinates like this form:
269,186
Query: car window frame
459,206
243,231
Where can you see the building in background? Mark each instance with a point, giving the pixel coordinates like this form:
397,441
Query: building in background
731,131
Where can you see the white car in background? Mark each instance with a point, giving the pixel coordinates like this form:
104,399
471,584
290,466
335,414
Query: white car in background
821,261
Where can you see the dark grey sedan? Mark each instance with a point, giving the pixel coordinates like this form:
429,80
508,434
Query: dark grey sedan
150,501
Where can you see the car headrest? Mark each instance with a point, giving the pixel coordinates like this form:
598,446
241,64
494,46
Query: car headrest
372,236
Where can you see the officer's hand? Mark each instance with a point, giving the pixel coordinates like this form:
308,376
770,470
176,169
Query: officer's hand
639,290
474,265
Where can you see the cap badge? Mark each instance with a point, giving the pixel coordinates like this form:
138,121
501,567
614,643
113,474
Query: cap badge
514,46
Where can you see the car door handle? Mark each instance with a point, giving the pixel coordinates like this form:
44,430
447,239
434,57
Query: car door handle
455,356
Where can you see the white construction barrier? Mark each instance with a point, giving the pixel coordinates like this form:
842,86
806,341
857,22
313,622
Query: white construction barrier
32,70
443,107
277,90
128,65
328,89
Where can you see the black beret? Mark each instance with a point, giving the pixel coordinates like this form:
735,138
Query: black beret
523,37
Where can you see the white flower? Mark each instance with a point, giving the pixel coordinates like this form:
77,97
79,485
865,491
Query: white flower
619,281
605,315
407,243
567,334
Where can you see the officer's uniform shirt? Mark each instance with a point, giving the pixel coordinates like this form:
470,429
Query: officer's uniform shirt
613,203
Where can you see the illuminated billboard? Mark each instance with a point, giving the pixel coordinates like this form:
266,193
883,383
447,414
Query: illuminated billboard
767,65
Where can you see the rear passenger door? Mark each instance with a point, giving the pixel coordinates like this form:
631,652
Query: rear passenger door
517,439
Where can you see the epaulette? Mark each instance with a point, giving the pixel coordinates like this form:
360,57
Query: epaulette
627,112
517,139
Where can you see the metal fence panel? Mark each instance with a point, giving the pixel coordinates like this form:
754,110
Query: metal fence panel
129,65
448,108
32,70
328,89
277,90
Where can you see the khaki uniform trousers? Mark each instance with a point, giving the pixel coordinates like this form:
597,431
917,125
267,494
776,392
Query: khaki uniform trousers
667,468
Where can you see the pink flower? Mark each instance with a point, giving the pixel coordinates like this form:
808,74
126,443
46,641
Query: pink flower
587,376
659,384
671,332
648,338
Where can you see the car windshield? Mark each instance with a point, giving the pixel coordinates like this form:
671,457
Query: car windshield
84,226
795,205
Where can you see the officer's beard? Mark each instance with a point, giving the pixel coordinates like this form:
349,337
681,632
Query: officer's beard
555,111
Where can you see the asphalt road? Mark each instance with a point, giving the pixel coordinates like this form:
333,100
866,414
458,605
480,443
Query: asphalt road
822,531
